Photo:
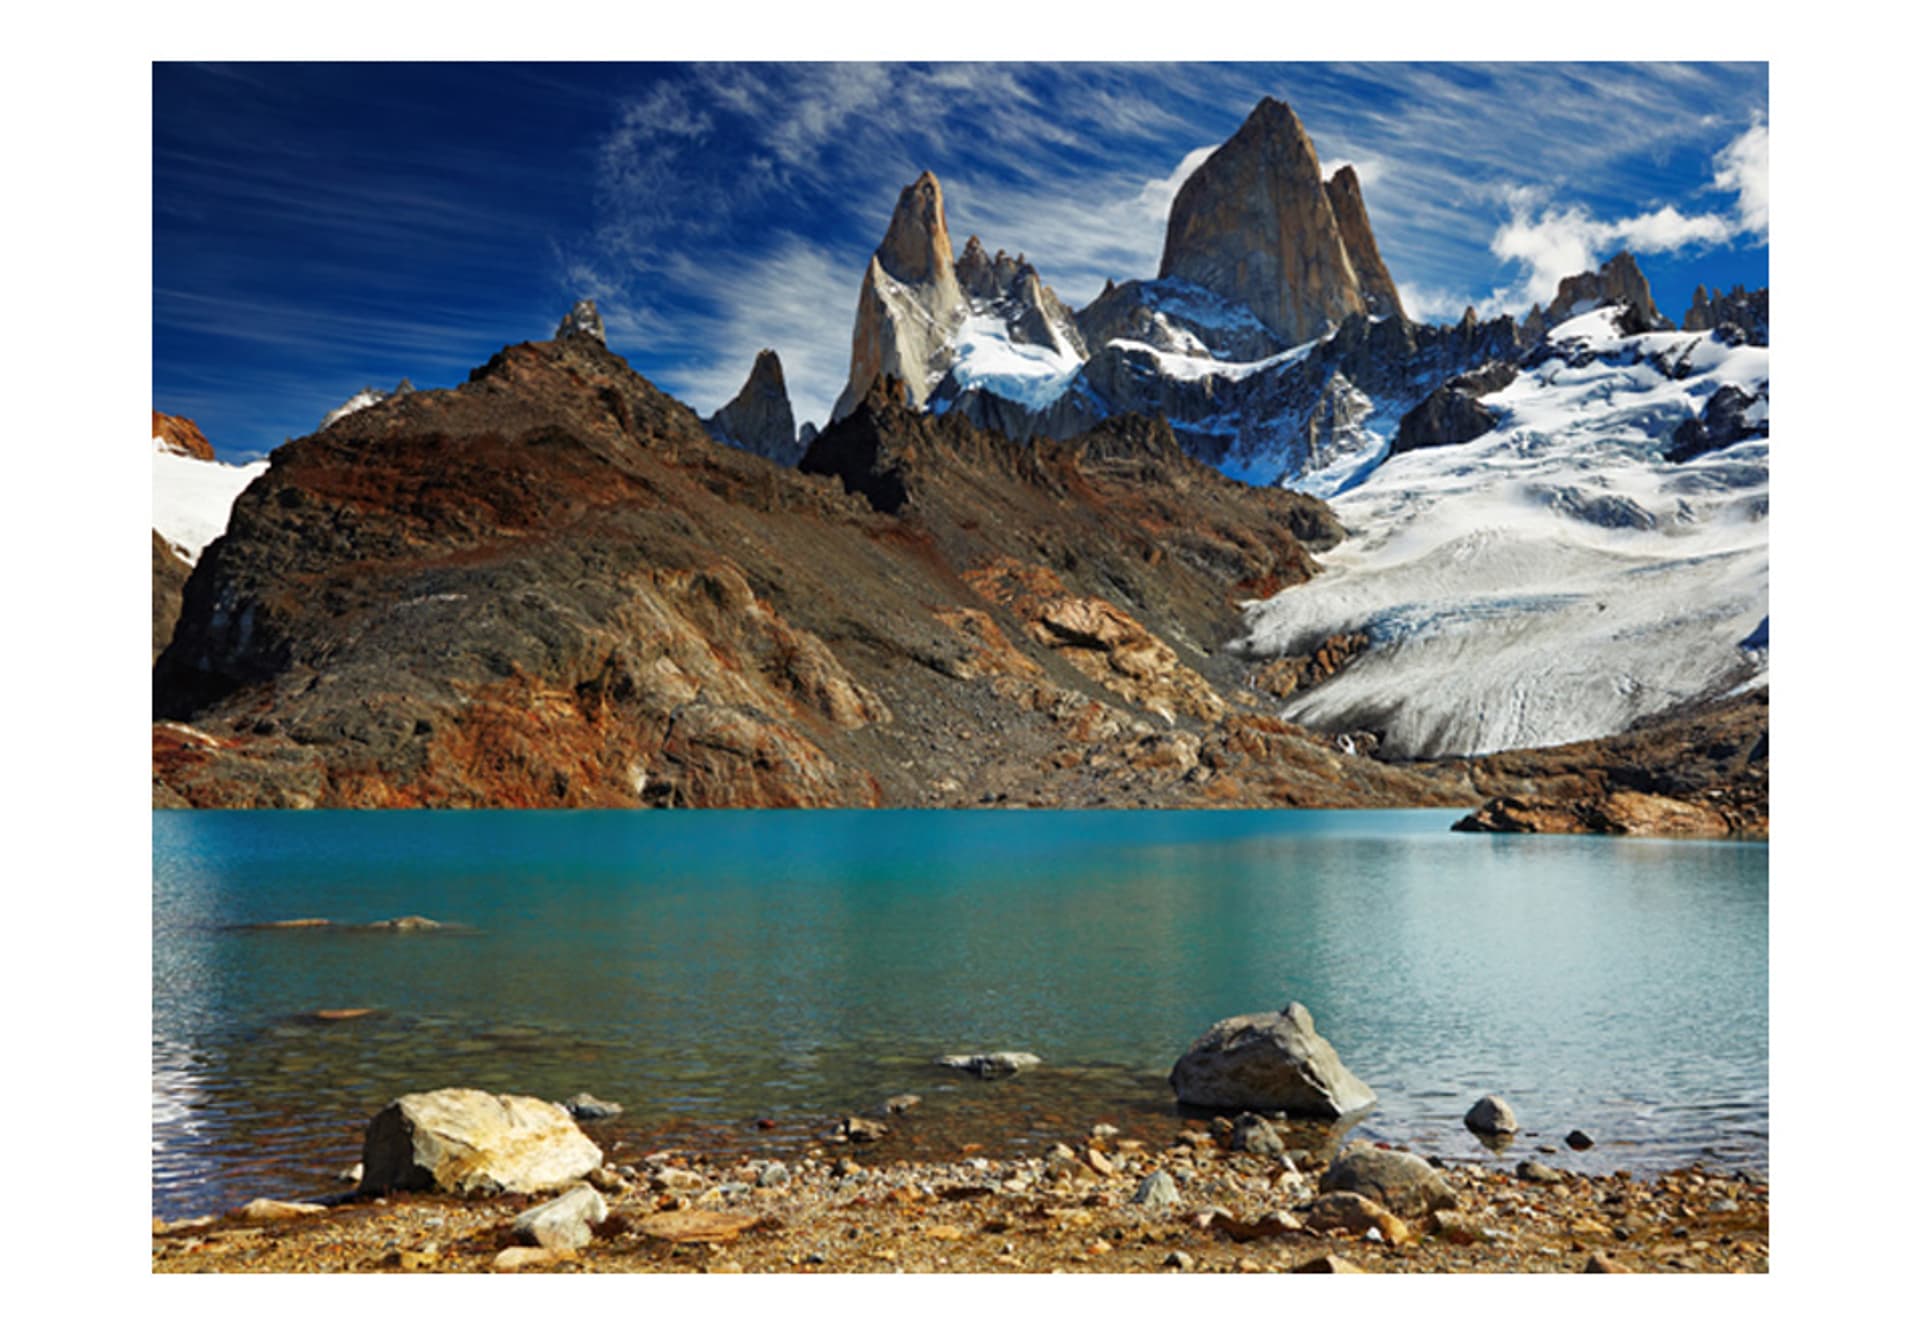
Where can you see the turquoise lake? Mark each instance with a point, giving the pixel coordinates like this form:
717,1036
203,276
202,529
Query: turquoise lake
710,969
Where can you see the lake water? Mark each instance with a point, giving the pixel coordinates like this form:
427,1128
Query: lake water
708,969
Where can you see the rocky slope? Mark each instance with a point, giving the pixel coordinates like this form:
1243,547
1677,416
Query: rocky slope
551,587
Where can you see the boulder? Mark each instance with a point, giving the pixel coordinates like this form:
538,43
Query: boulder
467,1142
1579,1139
1492,1116
992,1064
1405,1183
1272,1062
563,1224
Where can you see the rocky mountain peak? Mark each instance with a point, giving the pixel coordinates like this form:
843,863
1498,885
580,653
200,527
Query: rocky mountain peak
583,321
760,417
1356,233
1618,283
180,435
916,248
1255,224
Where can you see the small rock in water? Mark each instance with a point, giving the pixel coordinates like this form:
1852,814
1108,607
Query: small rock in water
1492,1116
992,1064
903,1103
563,1224
859,1130
586,1107
340,1016
1156,1191
1579,1139
409,923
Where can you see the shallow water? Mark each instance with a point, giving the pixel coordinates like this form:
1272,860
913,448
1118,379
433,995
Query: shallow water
710,968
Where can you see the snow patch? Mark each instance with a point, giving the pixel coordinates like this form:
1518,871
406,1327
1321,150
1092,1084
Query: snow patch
192,498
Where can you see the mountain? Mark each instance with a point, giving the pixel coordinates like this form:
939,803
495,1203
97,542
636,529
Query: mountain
923,318
551,586
760,417
1254,224
181,436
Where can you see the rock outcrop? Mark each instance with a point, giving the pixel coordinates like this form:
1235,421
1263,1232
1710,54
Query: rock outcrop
468,1142
1699,773
365,398
1363,252
583,321
1739,309
1618,283
1453,413
1009,288
910,301
1255,224
169,582
1273,1062
760,417
180,435
1731,415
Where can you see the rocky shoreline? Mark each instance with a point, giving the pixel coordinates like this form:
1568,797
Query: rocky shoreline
1076,1209
459,1180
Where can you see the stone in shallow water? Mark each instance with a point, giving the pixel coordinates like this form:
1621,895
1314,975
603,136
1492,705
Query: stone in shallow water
992,1064
586,1107
1272,1062
1492,1116
467,1141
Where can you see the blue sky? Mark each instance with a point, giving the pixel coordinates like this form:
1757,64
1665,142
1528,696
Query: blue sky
320,227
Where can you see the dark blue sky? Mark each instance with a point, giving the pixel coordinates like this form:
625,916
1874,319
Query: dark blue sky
318,227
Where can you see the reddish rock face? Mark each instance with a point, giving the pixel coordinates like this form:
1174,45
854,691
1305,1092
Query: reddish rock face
182,436
1356,234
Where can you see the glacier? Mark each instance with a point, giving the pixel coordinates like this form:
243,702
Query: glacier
193,498
1556,579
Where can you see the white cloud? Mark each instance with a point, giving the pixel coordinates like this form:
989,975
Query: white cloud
1741,167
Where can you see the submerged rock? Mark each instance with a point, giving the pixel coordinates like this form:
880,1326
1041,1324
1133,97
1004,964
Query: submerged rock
992,1065
1269,1062
467,1142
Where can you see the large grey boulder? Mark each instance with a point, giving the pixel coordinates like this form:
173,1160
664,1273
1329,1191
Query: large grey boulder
1403,1182
469,1142
1273,1062
564,1224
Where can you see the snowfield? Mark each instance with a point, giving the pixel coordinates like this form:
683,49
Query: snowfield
192,497
986,356
1556,579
